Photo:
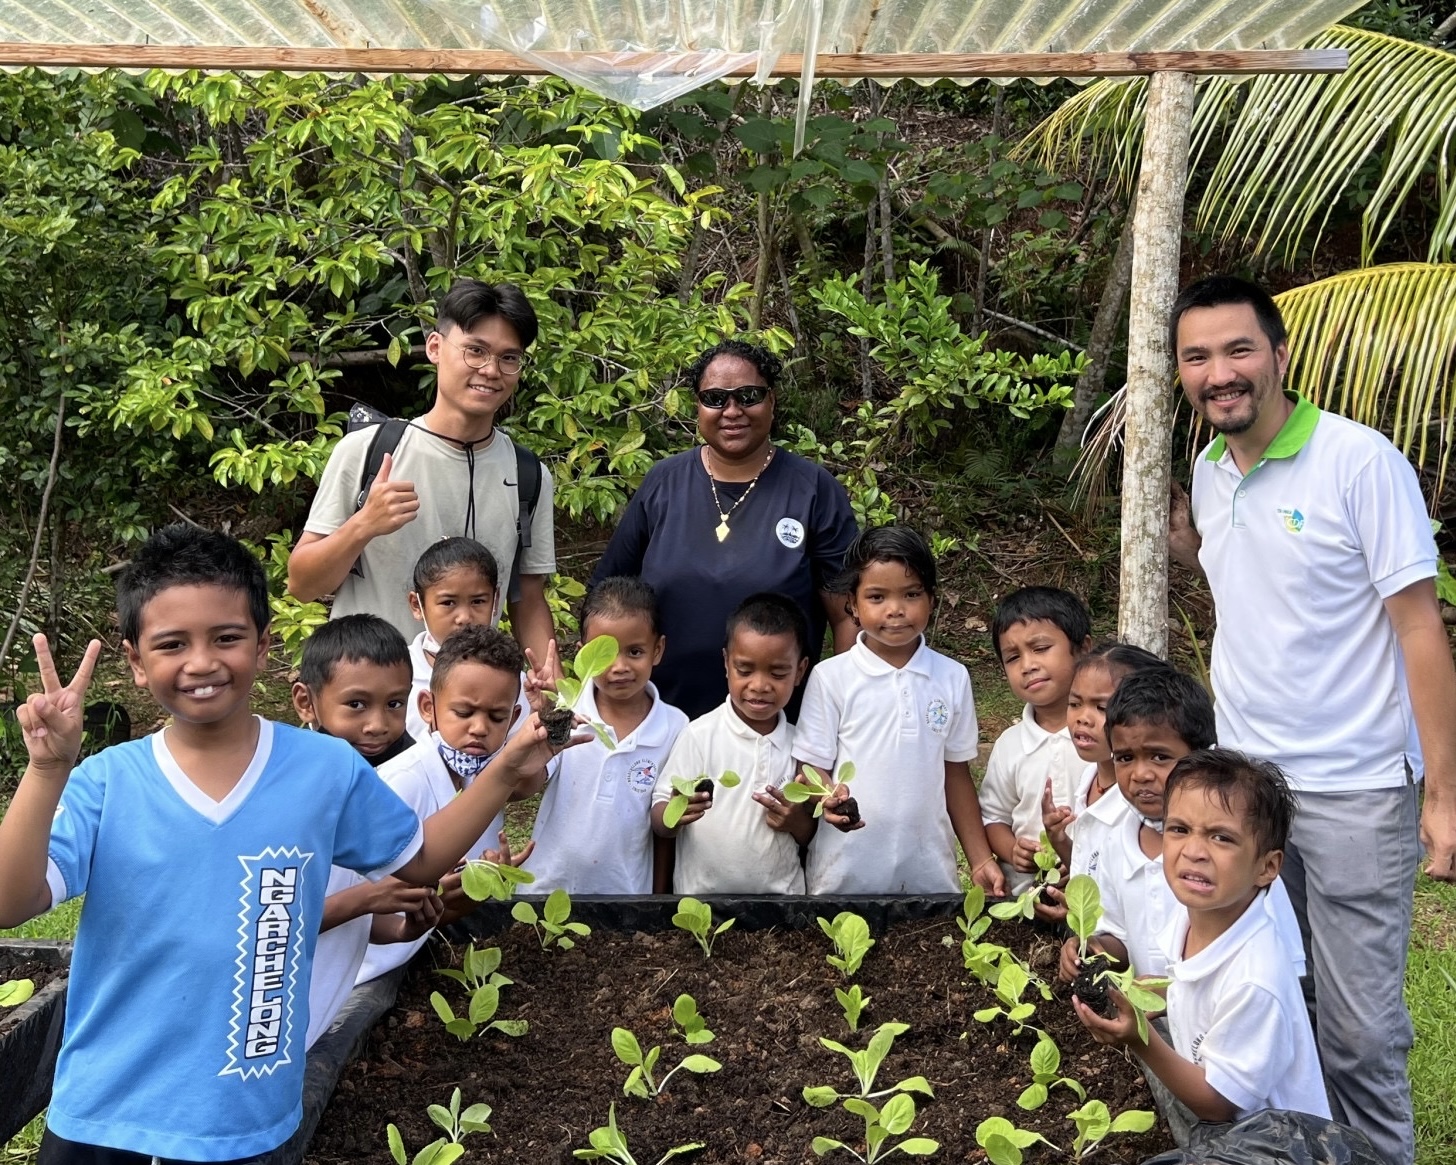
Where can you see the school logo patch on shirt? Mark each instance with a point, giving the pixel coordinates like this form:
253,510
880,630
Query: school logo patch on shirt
270,957
1293,519
790,532
641,776
937,716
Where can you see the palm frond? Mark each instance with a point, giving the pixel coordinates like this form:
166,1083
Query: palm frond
1101,124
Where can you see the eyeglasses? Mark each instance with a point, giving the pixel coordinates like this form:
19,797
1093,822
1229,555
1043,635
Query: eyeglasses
478,357
745,398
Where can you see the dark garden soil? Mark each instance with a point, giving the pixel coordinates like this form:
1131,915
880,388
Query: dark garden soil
768,996
37,971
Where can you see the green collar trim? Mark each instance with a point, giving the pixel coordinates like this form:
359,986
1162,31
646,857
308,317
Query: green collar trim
1293,436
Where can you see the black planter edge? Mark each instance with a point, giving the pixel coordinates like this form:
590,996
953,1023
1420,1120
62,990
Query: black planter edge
32,1037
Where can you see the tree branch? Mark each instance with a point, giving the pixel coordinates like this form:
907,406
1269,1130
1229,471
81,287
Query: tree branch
40,526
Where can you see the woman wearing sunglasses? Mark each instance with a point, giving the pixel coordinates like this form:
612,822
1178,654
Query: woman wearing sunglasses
726,519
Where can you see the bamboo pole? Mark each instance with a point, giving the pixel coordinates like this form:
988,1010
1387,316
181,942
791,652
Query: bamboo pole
1142,615
269,58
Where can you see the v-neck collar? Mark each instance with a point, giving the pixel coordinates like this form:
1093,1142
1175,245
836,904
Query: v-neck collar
199,802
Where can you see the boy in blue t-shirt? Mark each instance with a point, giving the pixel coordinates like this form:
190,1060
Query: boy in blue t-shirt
203,852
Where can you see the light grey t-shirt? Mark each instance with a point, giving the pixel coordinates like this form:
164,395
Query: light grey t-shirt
441,472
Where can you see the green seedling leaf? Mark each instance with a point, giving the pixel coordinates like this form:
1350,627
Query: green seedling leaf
594,658
854,1002
897,1115
1134,1120
440,1152
524,912
476,1119
918,1146
822,1145
915,1084
625,1044
1084,908
16,991
396,1145
820,1097
700,1064
558,906
483,880
511,1027
696,917
851,937
568,692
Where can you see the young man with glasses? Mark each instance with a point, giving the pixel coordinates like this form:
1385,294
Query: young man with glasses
453,473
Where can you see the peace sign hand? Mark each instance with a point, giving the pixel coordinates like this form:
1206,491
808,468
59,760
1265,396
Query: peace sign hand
50,720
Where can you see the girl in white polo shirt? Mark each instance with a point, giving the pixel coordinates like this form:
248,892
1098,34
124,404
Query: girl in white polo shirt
904,716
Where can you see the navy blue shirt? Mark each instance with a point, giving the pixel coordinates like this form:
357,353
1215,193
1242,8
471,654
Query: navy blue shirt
789,535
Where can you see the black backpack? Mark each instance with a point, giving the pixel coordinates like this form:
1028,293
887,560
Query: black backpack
387,433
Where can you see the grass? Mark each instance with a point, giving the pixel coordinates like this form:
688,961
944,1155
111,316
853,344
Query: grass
1430,992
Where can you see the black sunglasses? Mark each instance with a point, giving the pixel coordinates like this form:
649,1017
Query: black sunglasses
746,397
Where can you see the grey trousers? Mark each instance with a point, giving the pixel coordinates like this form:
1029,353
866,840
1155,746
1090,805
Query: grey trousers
1350,871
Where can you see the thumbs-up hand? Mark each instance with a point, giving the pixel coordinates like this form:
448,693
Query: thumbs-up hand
390,504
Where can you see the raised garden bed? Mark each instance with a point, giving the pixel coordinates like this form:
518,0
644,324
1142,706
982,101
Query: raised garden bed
30,1035
768,996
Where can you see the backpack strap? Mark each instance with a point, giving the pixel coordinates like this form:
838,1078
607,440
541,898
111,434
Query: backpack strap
387,435
528,492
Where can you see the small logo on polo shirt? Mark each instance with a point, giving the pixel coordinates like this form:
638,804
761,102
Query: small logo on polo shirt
790,532
1293,519
1197,1048
937,716
641,776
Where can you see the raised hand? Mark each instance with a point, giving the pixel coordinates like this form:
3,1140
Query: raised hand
389,504
504,856
50,720
541,677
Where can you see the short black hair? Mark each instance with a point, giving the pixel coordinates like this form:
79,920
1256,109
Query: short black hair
1164,695
622,595
770,613
1119,658
1268,804
1221,290
445,555
769,366
469,301
350,639
475,643
1034,604
183,555
900,544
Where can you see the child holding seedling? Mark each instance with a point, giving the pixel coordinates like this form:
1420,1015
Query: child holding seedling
1241,1038
353,683
594,827
203,852
473,701
904,716
741,836
1038,633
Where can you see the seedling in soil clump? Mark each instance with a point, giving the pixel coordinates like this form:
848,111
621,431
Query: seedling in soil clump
594,658
684,787
1048,873
866,1066
1094,1123
854,1002
690,1025
480,1016
1141,994
810,784
481,879
552,925
16,991
1003,1141
851,937
880,1125
608,1143
640,1081
1084,913
456,1124
1046,1062
696,918
1011,984
478,969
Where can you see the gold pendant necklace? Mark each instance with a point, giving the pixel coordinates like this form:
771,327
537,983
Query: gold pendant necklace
722,529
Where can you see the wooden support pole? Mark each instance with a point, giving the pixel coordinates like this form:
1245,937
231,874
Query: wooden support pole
269,58
1142,614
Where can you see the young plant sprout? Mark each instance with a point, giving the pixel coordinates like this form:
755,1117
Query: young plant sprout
973,919
982,959
481,879
810,785
16,991
854,1002
1046,1062
1084,912
880,1125
1011,983
851,937
480,1016
608,1143
478,969
456,1124
690,1025
1143,995
1003,1141
1094,1123
594,658
440,1152
551,925
641,1081
1048,873
866,1065
696,917
684,787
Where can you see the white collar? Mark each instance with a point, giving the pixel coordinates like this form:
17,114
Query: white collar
872,664
1130,829
652,732
216,811
1254,918
1033,735
777,739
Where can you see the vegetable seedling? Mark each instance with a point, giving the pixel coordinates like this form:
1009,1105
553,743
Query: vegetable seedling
16,991
812,785
690,1025
684,787
1142,994
880,1125
456,1124
696,917
1084,913
1048,873
552,926
608,1143
851,937
866,1066
1046,1062
854,1002
1003,1141
478,969
1011,983
480,1016
1094,1123
973,919
641,1081
481,879
440,1152
594,658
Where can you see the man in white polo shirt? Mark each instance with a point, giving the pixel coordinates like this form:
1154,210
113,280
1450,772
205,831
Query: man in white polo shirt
1331,660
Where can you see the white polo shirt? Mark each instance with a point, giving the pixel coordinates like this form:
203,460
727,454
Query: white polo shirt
1093,825
730,850
1237,1011
593,831
1024,756
1301,553
899,727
